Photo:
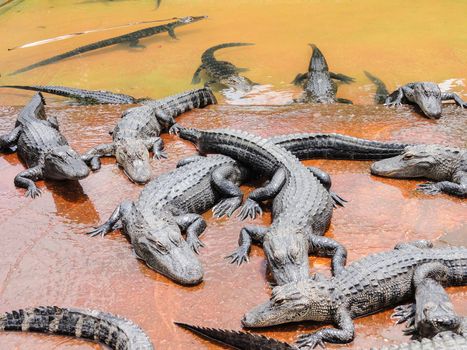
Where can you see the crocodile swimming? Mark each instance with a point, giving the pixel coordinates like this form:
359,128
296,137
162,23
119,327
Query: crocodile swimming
427,96
138,131
382,92
222,72
319,81
115,331
131,38
369,285
43,149
84,96
447,166
302,206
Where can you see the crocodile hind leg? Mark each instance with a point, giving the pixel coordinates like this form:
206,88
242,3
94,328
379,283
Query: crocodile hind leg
344,100
419,244
194,225
455,97
325,180
112,221
10,140
92,157
223,179
25,179
197,75
324,246
299,80
248,235
341,77
135,44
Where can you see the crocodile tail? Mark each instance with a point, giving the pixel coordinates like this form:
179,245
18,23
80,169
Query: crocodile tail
114,331
318,62
237,339
208,55
381,91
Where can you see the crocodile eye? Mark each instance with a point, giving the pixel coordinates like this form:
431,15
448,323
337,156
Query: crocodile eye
408,156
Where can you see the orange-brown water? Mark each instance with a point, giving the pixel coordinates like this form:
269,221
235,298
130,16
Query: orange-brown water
47,258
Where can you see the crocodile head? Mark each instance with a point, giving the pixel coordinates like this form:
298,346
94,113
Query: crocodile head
157,241
317,62
238,83
133,156
191,19
308,300
64,163
428,97
287,255
430,161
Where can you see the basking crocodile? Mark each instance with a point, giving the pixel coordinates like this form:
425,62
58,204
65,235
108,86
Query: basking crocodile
369,285
427,96
43,148
139,129
222,72
115,331
382,92
131,38
318,81
446,165
302,207
84,96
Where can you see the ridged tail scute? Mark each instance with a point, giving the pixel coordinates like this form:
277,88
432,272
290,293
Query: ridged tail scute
237,339
209,53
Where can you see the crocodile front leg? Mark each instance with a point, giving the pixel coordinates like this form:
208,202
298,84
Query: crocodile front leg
194,225
395,99
343,334
10,140
342,78
457,189
25,179
325,180
136,44
300,79
248,235
221,179
455,97
324,246
111,222
156,145
251,207
92,157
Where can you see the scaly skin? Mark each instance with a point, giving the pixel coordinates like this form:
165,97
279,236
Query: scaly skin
84,96
302,207
447,166
381,91
222,72
171,203
366,286
131,38
139,129
115,331
425,95
318,81
43,149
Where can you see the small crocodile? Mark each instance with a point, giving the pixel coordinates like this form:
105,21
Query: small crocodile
43,148
369,285
446,165
302,206
131,38
84,96
139,129
222,72
115,331
382,92
318,81
425,95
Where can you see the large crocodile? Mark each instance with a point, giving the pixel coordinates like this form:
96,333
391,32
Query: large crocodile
369,285
445,165
84,96
43,148
139,129
427,96
131,38
302,207
115,331
318,81
222,72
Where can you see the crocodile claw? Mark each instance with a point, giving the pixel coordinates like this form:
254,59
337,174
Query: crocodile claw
239,256
310,341
159,155
101,230
337,200
33,192
194,243
404,313
226,207
249,210
175,129
429,188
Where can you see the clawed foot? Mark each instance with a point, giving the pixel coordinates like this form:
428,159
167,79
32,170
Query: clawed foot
309,341
159,155
429,188
226,207
95,164
175,129
404,313
337,200
33,192
194,243
249,210
239,256
393,104
101,230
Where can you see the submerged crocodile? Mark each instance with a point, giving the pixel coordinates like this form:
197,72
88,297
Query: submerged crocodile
318,81
131,38
84,96
445,165
222,72
425,95
369,285
302,206
139,129
42,147
115,331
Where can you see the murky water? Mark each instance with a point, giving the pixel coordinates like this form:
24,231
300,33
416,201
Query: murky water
47,258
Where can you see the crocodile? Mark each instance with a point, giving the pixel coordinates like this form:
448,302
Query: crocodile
445,165
115,331
222,72
427,96
84,96
318,81
302,206
42,147
131,38
382,92
367,286
138,131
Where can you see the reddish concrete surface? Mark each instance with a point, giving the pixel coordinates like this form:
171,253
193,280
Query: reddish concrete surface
48,260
